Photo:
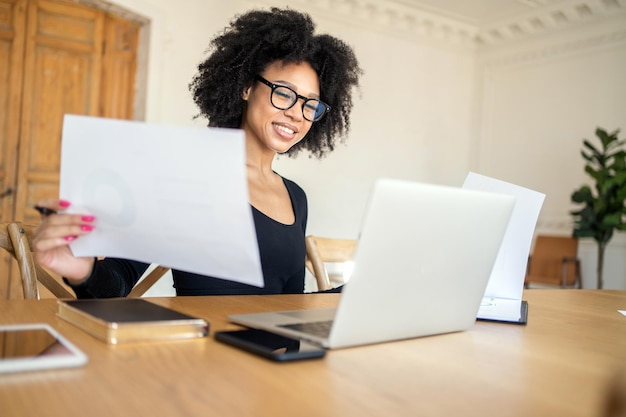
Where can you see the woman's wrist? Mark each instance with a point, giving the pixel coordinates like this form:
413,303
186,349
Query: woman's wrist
81,281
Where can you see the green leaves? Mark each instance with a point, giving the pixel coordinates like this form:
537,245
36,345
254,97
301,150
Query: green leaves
583,195
603,209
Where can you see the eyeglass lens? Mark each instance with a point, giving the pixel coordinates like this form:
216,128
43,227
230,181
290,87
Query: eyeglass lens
284,98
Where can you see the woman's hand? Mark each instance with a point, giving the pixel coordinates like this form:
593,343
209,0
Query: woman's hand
53,236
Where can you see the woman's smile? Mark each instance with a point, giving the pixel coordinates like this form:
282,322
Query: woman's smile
286,131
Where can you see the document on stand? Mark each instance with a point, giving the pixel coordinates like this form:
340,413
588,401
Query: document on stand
176,196
503,297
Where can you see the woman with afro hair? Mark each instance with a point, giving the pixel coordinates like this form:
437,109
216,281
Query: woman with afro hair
289,90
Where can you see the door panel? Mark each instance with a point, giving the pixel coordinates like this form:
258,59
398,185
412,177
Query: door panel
61,75
11,53
12,34
119,68
12,24
62,57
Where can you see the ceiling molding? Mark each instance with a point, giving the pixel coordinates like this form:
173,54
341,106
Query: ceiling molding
410,21
392,18
550,50
548,19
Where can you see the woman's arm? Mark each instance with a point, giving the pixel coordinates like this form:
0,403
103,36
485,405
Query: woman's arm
111,277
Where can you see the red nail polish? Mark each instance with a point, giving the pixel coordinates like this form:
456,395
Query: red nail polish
64,203
86,228
88,218
70,238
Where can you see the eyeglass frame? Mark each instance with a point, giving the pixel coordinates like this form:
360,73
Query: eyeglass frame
298,96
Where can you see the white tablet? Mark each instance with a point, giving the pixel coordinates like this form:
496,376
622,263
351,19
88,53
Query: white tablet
28,347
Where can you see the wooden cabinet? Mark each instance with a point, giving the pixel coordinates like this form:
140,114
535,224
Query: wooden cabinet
56,57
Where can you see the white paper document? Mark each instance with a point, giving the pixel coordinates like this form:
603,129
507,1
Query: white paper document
503,296
501,309
176,196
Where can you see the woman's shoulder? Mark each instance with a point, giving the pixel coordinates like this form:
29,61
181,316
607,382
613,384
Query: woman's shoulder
293,188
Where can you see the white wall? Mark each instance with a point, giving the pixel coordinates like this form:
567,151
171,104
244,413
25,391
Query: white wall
428,110
411,121
540,99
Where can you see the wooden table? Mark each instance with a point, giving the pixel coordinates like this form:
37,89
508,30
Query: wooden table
557,365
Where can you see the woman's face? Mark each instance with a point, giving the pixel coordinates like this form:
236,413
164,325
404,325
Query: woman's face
274,129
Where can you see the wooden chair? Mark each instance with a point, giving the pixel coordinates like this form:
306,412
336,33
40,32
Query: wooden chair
146,283
554,262
321,250
16,239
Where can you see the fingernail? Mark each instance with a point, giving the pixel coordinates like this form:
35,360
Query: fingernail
86,228
64,203
88,218
70,238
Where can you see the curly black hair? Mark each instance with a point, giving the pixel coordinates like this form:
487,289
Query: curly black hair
258,38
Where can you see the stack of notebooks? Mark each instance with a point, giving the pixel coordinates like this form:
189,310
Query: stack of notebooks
502,300
115,320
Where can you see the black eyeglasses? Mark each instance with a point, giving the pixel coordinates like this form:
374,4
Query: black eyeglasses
284,98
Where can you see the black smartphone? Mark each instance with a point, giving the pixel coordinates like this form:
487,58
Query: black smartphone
270,345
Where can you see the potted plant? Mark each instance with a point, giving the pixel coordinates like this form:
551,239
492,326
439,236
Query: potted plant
603,207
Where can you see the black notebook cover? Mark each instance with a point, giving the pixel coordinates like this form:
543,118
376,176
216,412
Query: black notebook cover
130,319
126,310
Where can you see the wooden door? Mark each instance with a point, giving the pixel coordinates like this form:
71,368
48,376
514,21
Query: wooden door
12,34
75,59
62,69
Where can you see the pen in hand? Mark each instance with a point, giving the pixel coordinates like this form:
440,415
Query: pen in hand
44,211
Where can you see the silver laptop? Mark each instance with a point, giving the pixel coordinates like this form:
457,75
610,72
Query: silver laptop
421,266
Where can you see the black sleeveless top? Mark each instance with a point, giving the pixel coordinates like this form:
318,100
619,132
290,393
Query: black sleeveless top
281,248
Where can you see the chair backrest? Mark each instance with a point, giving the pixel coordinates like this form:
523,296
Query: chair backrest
16,239
322,250
554,261
150,279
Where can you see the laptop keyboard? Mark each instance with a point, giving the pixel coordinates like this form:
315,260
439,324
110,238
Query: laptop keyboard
317,328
